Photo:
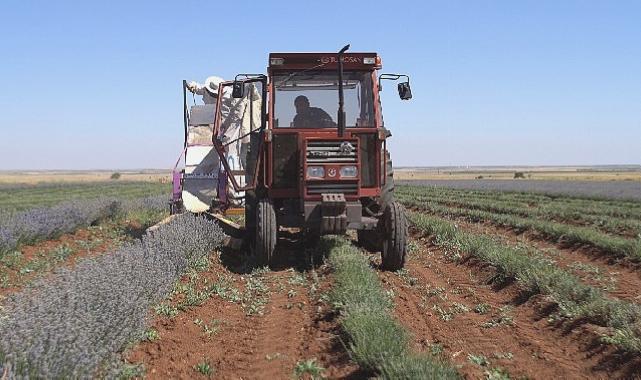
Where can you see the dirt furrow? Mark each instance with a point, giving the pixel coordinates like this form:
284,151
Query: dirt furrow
272,326
450,307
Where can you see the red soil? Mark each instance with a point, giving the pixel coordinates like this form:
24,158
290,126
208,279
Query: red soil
295,326
525,343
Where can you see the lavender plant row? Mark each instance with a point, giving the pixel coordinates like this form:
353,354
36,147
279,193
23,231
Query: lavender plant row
155,203
48,222
74,324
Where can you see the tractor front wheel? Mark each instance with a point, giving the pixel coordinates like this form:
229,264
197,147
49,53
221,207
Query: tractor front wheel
266,232
394,231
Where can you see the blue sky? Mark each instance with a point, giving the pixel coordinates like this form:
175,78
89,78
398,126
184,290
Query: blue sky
89,85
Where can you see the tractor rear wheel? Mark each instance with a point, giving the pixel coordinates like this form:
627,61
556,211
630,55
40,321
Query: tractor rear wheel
266,232
394,230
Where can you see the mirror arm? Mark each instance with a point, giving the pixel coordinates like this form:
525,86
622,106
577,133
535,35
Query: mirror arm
250,76
185,112
239,85
390,77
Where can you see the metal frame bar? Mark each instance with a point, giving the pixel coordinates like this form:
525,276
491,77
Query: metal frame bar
220,148
385,76
185,110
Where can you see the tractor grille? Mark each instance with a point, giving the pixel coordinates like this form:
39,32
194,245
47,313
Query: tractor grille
332,151
317,188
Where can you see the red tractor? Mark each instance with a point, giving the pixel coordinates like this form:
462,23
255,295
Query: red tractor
312,154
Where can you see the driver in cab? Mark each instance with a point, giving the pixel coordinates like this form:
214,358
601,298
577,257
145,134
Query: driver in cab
310,117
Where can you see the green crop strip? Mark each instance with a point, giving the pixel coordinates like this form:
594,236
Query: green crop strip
627,210
529,197
376,341
610,208
615,245
607,224
21,197
537,275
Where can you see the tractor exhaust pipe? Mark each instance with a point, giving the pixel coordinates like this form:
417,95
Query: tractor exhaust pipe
341,99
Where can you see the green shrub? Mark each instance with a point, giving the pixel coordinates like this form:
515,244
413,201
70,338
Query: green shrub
308,367
376,341
374,338
416,367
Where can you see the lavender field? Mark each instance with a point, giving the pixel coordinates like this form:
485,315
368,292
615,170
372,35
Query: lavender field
87,291
622,190
43,223
73,324
72,321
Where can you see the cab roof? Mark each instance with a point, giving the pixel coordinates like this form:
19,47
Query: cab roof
323,61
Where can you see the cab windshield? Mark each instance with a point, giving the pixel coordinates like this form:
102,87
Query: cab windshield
309,99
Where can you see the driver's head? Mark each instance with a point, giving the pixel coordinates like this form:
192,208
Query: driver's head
301,103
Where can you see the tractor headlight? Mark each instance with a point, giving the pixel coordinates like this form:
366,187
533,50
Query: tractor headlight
349,172
315,172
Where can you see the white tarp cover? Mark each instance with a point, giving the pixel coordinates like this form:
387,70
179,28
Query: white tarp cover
202,163
200,180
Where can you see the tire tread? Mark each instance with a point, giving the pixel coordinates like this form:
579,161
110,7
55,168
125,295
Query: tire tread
395,249
266,232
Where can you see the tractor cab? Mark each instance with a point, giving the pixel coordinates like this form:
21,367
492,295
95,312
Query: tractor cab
307,150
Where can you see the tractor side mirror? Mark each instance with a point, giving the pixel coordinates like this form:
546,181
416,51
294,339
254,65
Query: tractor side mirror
238,89
404,91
